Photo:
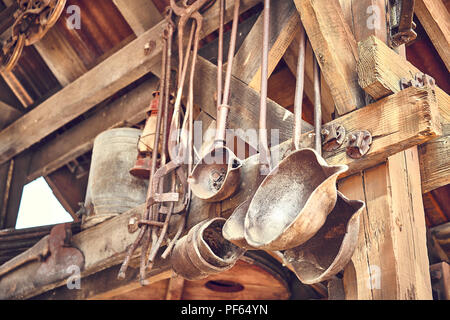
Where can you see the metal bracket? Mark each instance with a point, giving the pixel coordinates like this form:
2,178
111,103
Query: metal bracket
420,80
359,143
333,137
401,13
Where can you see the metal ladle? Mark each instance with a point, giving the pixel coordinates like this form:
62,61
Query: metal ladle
331,249
233,230
217,175
294,200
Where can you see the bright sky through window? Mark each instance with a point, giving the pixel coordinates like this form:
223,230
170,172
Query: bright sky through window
39,206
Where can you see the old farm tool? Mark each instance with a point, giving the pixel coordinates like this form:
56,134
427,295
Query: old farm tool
55,255
179,149
33,19
329,251
233,229
204,251
217,175
293,202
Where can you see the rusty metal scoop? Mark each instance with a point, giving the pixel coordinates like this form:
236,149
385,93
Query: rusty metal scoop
329,251
294,200
217,175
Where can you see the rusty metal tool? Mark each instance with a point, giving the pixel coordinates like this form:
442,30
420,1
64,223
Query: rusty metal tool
55,254
217,175
294,200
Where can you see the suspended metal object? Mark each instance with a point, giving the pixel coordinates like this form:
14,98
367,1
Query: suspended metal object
293,201
204,251
217,175
331,249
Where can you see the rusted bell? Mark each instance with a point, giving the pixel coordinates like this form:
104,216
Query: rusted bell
204,251
331,249
292,204
233,230
217,176
142,167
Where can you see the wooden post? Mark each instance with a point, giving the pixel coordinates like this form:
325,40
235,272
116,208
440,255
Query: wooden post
391,260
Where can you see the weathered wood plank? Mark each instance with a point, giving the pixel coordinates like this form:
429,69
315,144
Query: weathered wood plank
60,56
129,109
390,261
284,22
435,162
380,70
435,18
291,59
141,15
336,50
8,114
116,72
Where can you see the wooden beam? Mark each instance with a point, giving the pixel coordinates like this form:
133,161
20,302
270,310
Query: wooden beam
435,18
391,255
60,57
176,287
291,59
19,175
16,87
336,50
141,15
380,70
435,162
116,72
284,23
244,101
390,261
128,110
408,106
68,189
8,115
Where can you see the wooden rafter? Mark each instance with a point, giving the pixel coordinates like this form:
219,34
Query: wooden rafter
435,18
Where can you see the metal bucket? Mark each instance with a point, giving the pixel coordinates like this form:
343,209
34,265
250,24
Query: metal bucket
203,251
331,249
112,190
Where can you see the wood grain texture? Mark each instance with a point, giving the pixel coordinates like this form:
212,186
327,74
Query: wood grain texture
336,50
60,57
128,110
283,27
116,72
291,59
435,18
141,15
435,162
390,261
380,70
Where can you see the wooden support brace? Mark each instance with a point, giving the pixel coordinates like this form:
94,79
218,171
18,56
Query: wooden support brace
336,50
435,18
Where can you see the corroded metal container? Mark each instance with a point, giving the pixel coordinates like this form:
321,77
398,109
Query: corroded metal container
293,202
204,251
112,190
331,249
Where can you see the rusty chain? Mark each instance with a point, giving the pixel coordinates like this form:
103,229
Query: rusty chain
33,19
